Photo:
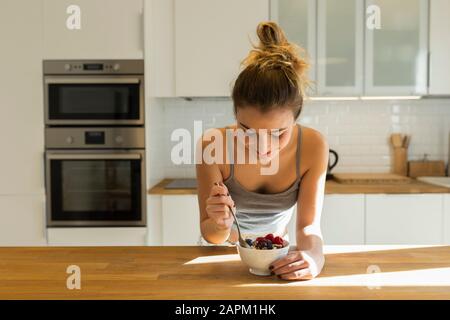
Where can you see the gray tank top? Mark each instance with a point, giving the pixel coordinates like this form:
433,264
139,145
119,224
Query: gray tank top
262,213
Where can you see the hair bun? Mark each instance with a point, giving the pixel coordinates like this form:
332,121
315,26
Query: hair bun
274,73
274,51
270,34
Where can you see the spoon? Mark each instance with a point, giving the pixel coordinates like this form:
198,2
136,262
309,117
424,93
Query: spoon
241,240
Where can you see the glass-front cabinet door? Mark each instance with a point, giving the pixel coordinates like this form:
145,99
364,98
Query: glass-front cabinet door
340,39
298,20
396,53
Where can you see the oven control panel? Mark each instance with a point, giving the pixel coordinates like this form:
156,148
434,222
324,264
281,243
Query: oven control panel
100,67
54,67
82,138
95,137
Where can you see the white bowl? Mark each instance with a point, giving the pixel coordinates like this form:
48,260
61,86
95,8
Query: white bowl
258,260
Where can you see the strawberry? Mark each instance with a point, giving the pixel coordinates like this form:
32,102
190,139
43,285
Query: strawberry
269,237
278,240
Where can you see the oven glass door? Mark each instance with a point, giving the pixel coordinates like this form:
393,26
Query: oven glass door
93,189
99,100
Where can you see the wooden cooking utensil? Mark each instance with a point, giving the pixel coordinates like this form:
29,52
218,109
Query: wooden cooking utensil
406,140
396,139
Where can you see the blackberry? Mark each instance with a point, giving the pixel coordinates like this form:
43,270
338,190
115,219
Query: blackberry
260,244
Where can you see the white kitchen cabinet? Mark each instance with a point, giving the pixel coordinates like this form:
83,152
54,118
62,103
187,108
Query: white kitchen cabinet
396,53
343,219
109,29
180,220
22,220
211,40
404,219
297,18
21,98
159,35
154,218
96,236
439,47
340,43
446,219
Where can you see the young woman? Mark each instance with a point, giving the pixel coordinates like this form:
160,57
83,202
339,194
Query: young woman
268,94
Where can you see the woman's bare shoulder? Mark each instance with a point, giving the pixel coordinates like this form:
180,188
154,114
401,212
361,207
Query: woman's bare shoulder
314,146
313,137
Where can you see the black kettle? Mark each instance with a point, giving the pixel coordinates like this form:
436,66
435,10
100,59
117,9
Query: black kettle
331,166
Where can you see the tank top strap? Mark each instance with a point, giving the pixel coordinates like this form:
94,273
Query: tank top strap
299,144
230,149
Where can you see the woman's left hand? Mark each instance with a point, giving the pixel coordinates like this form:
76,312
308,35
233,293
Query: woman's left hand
297,265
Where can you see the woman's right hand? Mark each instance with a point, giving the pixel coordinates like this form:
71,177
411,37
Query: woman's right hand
218,206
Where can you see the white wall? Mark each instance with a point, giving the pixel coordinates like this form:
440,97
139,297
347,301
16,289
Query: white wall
358,130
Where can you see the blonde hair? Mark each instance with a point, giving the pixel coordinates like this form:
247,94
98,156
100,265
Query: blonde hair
274,74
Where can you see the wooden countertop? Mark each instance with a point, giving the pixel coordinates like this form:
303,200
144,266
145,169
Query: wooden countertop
333,187
216,272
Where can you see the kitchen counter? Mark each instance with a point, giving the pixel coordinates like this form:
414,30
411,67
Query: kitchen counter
333,187
215,272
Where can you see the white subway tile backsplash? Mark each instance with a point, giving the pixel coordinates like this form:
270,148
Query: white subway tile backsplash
374,140
378,149
316,109
309,120
353,140
374,160
333,141
349,160
358,130
176,171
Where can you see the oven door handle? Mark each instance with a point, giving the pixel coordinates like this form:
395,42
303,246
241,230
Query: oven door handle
93,156
75,80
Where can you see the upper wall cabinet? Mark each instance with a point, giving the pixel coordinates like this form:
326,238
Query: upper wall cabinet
108,29
212,37
372,47
340,47
439,47
396,52
159,26
298,20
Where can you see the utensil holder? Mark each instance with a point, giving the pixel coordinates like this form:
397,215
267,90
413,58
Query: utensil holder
400,161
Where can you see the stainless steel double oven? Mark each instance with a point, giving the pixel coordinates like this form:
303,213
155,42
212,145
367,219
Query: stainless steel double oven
95,143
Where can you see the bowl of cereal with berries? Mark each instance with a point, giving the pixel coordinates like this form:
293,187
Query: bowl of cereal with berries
261,252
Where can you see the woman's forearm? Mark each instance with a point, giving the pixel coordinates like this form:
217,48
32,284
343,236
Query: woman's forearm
212,233
311,246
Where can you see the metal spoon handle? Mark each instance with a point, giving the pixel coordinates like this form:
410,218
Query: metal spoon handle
233,212
241,240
